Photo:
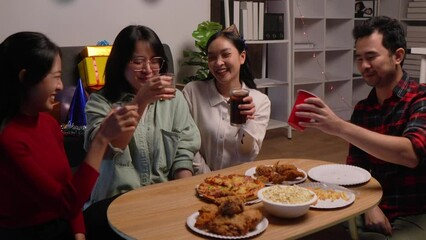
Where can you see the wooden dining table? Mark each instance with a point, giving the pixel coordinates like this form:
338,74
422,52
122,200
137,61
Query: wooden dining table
160,211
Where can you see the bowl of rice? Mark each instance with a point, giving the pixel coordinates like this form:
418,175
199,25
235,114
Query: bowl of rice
287,201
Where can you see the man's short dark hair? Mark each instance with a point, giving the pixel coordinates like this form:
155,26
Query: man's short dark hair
391,29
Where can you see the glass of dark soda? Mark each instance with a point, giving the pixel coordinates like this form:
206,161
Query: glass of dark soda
236,98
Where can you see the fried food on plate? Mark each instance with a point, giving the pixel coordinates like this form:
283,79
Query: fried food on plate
219,186
265,170
276,178
206,214
281,169
230,218
229,226
252,217
277,173
231,205
292,174
236,225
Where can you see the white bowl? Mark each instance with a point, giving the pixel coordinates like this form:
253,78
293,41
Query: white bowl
286,210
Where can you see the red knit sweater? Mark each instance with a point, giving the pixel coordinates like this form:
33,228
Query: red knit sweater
36,183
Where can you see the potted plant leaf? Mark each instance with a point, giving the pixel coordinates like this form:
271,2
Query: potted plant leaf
199,58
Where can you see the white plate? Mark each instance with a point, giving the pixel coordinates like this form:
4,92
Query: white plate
328,203
190,221
251,171
339,174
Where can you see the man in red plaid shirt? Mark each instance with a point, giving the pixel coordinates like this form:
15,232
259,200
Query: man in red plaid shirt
387,132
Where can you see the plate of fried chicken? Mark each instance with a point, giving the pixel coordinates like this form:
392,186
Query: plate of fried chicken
285,174
229,218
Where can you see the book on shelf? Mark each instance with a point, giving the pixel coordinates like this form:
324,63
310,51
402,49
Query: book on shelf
416,28
417,57
411,67
280,25
414,34
303,45
249,20
411,62
273,26
416,9
244,19
254,24
261,19
417,4
416,44
416,15
413,73
415,39
236,14
255,21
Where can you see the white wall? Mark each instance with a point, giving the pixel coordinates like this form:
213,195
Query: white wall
85,22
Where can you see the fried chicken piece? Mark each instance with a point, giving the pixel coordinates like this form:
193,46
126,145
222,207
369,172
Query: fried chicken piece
253,217
277,178
292,175
229,226
263,179
231,205
220,200
206,214
237,225
265,171
281,169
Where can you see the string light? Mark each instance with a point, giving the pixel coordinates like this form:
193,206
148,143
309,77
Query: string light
326,79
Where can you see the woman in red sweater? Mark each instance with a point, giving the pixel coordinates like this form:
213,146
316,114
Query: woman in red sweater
40,197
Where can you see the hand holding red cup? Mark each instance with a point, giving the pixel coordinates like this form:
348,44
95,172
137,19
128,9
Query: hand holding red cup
294,120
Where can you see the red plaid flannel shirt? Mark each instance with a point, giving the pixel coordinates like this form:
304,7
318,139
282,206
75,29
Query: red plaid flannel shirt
403,114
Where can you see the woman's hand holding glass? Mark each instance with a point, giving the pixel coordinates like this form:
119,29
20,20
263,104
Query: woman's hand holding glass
120,120
158,87
248,108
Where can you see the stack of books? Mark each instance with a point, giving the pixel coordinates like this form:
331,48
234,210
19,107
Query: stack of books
416,37
412,65
253,23
416,9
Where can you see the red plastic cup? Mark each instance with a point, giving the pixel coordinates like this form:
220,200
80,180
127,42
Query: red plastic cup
294,120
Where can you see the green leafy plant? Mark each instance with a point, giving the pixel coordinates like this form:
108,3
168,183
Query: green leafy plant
199,58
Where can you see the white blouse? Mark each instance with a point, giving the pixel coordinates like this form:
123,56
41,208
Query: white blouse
224,145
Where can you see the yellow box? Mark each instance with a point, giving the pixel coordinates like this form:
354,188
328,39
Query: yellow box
91,51
91,71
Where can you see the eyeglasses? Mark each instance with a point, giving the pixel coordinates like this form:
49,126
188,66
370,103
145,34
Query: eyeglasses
155,63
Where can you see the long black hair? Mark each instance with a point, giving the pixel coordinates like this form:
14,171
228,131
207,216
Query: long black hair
246,75
30,51
121,54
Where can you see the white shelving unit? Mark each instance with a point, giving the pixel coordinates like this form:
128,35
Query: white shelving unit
326,68
276,66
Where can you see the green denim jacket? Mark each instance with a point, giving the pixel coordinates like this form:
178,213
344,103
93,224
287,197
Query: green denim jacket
165,140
